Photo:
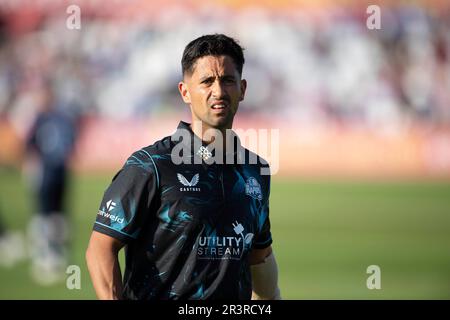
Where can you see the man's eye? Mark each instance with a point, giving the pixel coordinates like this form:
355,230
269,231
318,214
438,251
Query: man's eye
230,81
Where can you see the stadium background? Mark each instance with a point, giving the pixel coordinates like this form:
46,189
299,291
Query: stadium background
364,120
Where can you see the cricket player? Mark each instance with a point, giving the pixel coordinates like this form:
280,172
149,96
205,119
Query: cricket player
191,213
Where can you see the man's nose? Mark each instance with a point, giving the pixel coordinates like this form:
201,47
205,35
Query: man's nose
218,89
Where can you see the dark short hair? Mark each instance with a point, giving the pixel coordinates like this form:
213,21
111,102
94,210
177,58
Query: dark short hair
212,45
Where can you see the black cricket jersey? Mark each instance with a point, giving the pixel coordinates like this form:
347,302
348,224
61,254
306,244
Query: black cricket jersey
188,228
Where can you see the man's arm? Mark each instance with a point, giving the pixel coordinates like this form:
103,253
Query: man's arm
103,264
264,274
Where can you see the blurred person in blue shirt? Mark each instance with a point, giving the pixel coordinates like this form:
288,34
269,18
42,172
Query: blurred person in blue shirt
50,144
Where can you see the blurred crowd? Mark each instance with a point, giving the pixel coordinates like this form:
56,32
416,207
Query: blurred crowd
303,66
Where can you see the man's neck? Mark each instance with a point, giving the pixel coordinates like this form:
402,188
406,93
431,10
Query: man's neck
200,129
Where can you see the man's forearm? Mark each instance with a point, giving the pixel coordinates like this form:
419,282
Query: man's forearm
105,273
265,280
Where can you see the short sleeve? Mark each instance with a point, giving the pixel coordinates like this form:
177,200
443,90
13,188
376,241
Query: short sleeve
127,202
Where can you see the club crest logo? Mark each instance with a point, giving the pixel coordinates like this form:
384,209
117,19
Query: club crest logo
253,188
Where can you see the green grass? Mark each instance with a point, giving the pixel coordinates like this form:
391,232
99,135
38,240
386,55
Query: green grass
326,234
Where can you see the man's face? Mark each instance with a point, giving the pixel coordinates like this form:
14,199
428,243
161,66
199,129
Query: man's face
213,90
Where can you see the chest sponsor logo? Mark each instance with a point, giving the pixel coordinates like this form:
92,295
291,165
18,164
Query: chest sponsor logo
223,248
253,188
189,185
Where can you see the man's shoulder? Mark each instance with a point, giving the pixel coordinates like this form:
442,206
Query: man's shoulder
256,163
254,159
160,149
150,154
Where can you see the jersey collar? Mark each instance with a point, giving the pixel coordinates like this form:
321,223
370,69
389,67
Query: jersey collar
200,149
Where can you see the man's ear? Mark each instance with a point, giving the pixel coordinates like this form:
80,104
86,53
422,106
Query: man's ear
243,88
182,87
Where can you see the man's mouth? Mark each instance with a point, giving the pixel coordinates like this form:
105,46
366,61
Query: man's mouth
219,105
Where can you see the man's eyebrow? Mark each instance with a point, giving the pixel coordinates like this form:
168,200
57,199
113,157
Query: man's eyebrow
227,76
208,77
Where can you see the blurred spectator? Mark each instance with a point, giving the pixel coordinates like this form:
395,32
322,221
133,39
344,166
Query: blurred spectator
50,145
